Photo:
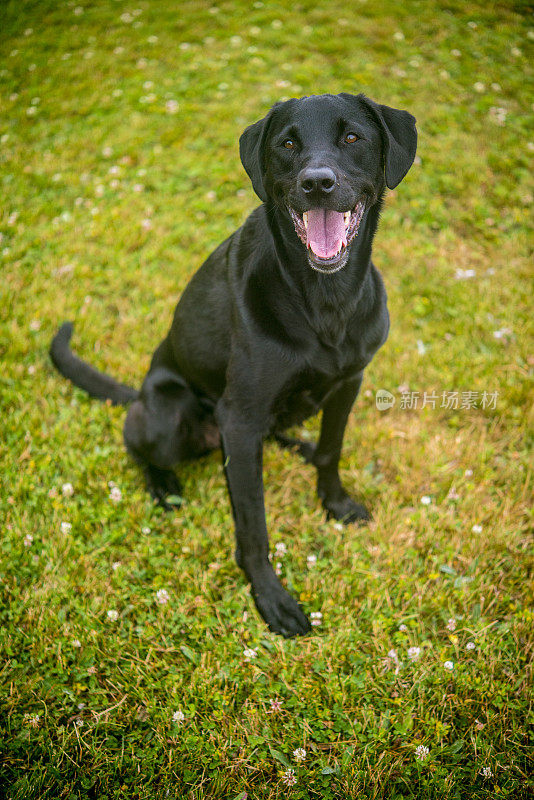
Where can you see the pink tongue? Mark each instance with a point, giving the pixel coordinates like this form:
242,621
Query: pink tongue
326,232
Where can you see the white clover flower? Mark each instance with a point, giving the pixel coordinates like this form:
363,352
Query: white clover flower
299,754
162,597
502,333
276,705
76,643
66,527
311,560
145,529
414,653
278,568
280,549
468,473
398,36
289,777
448,665
113,615
28,540
67,490
250,653
338,526
451,624
470,646
479,86
146,224
115,495
477,528
115,566
316,618
464,274
486,772
426,500
498,114
403,628
393,655
421,752
178,716
78,11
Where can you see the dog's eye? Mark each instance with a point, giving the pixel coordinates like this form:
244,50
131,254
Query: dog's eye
289,144
350,138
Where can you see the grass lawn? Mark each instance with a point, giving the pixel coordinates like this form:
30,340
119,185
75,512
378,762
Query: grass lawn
120,172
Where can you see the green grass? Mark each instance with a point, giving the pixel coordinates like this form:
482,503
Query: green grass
100,153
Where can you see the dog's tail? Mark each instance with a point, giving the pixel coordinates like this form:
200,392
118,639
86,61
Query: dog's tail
84,375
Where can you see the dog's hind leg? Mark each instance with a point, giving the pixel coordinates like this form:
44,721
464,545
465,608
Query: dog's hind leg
165,426
304,449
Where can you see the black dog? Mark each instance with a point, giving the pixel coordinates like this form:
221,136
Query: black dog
278,323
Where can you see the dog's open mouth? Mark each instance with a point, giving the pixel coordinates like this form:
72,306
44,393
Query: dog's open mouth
327,234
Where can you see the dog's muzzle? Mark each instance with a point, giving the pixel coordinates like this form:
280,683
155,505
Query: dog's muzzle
327,235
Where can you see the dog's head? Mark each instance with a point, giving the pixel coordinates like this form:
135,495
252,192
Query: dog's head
325,159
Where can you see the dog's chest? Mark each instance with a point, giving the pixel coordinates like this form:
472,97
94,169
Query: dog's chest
305,393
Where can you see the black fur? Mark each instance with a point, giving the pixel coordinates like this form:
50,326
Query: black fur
267,333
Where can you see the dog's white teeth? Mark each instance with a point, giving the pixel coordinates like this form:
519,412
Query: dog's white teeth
347,219
305,219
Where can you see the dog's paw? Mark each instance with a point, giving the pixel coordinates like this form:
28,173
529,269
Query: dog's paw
164,487
346,510
279,609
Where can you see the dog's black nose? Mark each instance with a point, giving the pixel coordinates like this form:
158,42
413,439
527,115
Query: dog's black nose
317,179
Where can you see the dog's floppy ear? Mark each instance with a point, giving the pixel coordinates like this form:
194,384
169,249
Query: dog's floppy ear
400,139
251,151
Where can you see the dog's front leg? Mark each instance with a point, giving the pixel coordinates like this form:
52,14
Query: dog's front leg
335,499
242,443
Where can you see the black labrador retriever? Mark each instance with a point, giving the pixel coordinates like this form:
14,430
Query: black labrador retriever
278,323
